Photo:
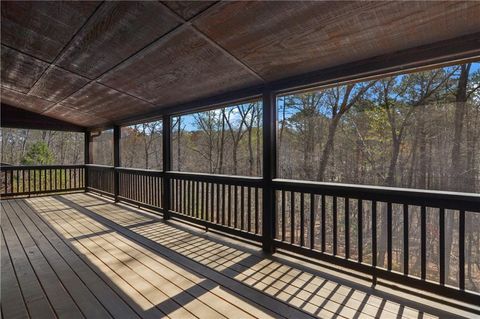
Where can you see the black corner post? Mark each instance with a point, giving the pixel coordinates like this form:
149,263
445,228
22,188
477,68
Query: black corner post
87,152
269,169
116,160
167,164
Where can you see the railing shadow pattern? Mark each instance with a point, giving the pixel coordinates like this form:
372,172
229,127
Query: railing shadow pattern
313,294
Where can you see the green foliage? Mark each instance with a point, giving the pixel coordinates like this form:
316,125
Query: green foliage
38,154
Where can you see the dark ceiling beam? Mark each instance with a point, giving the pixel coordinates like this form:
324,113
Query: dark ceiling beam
449,52
13,117
212,102
458,50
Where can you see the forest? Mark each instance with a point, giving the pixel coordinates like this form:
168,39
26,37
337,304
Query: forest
415,130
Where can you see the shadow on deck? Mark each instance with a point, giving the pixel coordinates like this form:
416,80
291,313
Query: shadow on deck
115,260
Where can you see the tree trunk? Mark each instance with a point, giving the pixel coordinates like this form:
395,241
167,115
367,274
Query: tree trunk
328,147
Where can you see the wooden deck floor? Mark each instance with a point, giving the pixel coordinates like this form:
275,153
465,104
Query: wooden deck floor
81,256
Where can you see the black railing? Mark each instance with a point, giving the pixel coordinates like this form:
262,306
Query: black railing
414,237
32,180
229,203
141,187
101,178
352,226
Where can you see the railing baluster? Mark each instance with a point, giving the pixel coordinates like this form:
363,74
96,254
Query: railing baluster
242,208
312,221
177,196
292,217
197,204
347,227
334,222
229,205
212,203
323,220
235,207
374,233
223,205
249,209
5,181
389,236
185,196
360,230
302,219
461,250
283,215
18,182
192,198
405,240
257,215
441,221
423,242
217,220
207,201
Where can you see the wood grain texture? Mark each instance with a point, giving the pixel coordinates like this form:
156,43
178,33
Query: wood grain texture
74,116
280,39
104,102
188,9
181,67
42,28
116,31
56,84
20,71
24,101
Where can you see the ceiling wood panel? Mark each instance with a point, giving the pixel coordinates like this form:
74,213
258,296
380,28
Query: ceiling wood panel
20,71
182,67
24,101
42,28
56,84
95,64
116,31
280,39
188,9
105,102
72,115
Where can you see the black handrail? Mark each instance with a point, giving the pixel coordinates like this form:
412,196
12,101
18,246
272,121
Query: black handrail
432,198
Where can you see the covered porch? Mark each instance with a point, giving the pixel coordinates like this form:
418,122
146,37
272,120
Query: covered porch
348,234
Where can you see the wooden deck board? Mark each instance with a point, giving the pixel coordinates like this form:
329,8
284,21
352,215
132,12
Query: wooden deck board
96,282
38,304
115,261
13,305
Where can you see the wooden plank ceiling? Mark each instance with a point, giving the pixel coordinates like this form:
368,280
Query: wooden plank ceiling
98,63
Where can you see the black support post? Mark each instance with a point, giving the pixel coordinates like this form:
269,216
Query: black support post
269,169
116,160
167,165
87,152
